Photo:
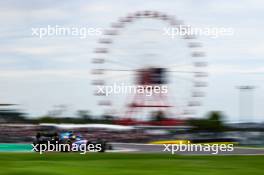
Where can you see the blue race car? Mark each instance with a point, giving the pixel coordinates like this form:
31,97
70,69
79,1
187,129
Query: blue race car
71,139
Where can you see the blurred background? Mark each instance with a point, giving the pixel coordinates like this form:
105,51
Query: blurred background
50,84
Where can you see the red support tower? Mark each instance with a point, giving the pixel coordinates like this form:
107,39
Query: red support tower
147,80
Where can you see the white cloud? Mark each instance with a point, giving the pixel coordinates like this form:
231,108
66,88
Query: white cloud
234,69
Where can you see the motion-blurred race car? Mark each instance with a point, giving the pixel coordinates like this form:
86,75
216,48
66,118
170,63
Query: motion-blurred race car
71,139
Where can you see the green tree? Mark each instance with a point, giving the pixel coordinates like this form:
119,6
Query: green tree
84,114
213,122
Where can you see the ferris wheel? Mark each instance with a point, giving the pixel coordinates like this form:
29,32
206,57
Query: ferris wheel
135,51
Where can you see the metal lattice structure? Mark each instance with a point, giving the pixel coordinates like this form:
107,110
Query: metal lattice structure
115,59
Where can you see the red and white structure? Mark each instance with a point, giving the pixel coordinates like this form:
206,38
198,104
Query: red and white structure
136,51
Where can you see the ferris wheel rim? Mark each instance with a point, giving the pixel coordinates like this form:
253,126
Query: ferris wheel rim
114,30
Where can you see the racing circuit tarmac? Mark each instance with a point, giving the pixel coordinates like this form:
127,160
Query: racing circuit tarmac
151,148
144,148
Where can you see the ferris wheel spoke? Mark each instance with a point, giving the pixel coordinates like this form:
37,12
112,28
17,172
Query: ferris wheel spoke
183,78
119,63
117,75
179,65
181,71
119,70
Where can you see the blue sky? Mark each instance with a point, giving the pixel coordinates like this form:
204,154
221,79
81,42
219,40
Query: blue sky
40,73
